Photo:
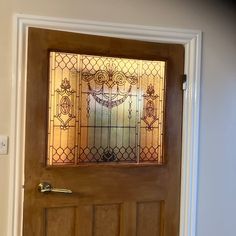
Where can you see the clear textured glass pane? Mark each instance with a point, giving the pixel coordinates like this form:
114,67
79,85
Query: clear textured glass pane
105,109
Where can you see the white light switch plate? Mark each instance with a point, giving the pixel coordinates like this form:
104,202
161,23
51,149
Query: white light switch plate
3,144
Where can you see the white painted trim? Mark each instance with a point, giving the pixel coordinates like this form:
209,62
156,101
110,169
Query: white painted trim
192,41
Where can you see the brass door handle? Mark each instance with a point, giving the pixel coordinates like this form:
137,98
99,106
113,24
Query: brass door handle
45,187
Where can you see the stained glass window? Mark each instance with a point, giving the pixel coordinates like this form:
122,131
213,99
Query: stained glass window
105,109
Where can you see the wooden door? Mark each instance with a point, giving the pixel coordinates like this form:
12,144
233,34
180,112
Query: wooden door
109,198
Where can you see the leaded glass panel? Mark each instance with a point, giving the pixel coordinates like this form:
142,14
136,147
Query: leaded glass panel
105,109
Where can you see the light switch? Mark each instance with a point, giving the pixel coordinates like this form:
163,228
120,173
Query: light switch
3,144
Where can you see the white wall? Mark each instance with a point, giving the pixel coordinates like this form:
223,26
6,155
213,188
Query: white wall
217,161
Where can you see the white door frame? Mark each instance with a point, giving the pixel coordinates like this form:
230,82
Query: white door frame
191,39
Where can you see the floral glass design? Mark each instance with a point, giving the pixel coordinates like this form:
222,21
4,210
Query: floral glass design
105,109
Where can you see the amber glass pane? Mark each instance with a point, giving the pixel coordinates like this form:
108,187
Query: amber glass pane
105,109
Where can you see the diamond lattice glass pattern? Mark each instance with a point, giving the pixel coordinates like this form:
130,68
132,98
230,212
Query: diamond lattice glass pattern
105,109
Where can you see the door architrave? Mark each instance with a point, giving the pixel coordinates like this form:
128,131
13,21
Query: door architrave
191,39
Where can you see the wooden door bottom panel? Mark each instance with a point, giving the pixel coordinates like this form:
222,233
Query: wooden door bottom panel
62,221
112,219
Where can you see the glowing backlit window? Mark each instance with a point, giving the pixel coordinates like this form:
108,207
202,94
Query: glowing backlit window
105,109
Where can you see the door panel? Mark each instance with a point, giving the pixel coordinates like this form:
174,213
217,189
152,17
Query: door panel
106,219
109,219
149,218
59,224
108,199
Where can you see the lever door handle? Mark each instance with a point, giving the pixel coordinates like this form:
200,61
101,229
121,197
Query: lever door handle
45,187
